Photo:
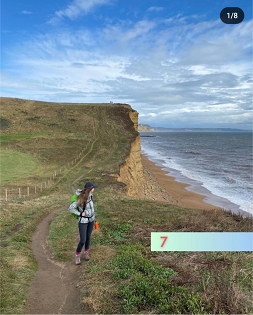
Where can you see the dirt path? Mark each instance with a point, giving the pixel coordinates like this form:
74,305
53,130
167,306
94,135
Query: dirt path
54,289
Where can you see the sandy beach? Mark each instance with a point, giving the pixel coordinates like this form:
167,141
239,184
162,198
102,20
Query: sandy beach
164,188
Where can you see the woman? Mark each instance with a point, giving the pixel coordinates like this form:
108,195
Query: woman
83,207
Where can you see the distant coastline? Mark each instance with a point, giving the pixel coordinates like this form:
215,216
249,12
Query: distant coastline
162,129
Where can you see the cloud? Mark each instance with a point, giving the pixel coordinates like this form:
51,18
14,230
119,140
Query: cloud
127,32
157,9
26,12
77,8
173,73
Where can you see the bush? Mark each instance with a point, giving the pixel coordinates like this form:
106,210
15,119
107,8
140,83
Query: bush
4,123
146,285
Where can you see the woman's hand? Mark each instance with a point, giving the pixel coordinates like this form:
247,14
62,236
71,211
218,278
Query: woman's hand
83,214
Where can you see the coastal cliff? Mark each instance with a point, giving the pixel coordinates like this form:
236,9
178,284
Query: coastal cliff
133,114
131,172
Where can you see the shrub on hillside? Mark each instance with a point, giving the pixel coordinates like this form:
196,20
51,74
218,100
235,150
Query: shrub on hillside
4,123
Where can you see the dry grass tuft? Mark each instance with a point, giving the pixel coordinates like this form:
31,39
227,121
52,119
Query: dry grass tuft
103,253
19,261
101,294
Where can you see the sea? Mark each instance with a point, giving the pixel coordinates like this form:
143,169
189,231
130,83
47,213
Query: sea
217,165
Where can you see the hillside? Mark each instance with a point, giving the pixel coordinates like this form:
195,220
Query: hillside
51,149
52,135
144,127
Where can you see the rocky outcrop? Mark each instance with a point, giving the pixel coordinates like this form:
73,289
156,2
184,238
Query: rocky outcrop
131,172
133,114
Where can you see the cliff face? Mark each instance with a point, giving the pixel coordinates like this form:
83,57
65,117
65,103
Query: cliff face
133,114
131,172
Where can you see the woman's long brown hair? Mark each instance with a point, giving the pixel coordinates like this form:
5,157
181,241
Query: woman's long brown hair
83,197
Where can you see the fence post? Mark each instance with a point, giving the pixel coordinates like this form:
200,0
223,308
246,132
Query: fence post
27,191
6,195
19,192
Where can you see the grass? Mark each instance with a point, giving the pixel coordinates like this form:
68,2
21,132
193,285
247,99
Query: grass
187,282
122,272
123,275
62,236
15,165
146,286
9,137
18,265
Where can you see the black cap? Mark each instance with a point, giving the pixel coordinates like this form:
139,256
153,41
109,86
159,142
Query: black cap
90,185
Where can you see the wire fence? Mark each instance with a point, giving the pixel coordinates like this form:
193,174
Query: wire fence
10,192
13,191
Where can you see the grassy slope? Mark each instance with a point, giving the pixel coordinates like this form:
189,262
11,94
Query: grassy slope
16,165
124,275
19,217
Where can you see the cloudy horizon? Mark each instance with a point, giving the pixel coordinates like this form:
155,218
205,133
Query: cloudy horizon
178,66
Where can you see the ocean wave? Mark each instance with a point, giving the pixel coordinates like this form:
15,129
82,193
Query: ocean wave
193,152
228,187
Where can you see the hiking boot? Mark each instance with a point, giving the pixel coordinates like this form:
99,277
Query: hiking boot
86,256
77,259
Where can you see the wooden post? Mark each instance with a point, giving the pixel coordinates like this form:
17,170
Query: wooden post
27,191
6,195
19,193
55,173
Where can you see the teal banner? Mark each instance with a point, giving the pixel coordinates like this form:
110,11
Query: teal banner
202,241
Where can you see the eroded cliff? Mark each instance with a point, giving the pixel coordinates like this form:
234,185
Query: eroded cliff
131,172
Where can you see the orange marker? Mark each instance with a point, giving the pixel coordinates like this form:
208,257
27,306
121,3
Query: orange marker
96,225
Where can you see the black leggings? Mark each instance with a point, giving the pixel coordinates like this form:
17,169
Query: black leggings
85,230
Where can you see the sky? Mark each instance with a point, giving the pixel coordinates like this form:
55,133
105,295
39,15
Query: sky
175,62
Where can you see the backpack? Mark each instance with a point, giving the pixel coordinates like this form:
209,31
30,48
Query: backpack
74,198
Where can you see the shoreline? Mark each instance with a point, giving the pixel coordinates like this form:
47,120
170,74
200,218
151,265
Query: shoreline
175,191
166,188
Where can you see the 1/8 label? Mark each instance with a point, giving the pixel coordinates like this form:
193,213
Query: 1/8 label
232,15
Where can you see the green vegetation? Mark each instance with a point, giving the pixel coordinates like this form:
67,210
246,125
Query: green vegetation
148,287
15,165
123,275
4,123
22,136
61,237
18,265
